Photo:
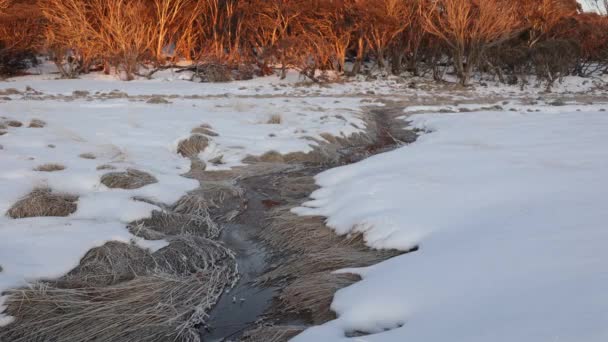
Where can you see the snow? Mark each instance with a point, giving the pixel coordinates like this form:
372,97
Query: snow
508,209
126,133
169,81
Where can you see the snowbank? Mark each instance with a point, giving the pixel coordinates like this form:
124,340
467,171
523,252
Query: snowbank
509,212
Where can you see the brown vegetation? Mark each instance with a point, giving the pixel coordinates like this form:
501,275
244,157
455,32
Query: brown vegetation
43,202
120,292
229,39
49,168
130,179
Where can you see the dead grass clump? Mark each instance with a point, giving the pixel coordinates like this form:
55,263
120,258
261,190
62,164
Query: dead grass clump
313,294
14,123
80,93
191,147
205,131
87,156
9,91
35,123
328,260
296,234
275,119
157,100
167,223
130,179
123,293
50,167
296,187
271,157
3,133
106,167
109,264
43,202
272,333
194,214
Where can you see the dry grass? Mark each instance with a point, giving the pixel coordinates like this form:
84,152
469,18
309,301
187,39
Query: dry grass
157,100
130,179
123,293
50,167
3,133
87,156
313,294
3,126
105,167
35,123
271,157
191,147
14,123
272,333
204,130
275,119
194,214
43,202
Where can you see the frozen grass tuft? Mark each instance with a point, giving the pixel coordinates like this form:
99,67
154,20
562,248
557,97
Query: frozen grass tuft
205,131
275,119
43,202
271,157
130,179
272,333
157,100
123,293
36,123
50,167
312,294
191,147
106,167
14,123
87,156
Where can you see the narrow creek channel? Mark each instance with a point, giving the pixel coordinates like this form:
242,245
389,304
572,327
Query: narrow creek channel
246,303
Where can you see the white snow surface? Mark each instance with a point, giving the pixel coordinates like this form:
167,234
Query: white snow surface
509,211
136,135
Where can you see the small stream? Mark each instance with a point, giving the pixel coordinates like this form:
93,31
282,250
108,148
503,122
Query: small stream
240,307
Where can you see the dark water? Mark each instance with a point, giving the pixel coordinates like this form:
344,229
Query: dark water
239,308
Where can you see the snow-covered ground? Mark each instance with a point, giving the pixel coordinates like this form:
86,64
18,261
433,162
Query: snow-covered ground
506,204
126,134
509,211
45,79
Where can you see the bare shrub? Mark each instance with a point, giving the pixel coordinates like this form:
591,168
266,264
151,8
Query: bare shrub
213,72
469,28
130,179
43,202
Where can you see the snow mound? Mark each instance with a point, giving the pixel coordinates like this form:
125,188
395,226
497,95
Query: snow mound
509,212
